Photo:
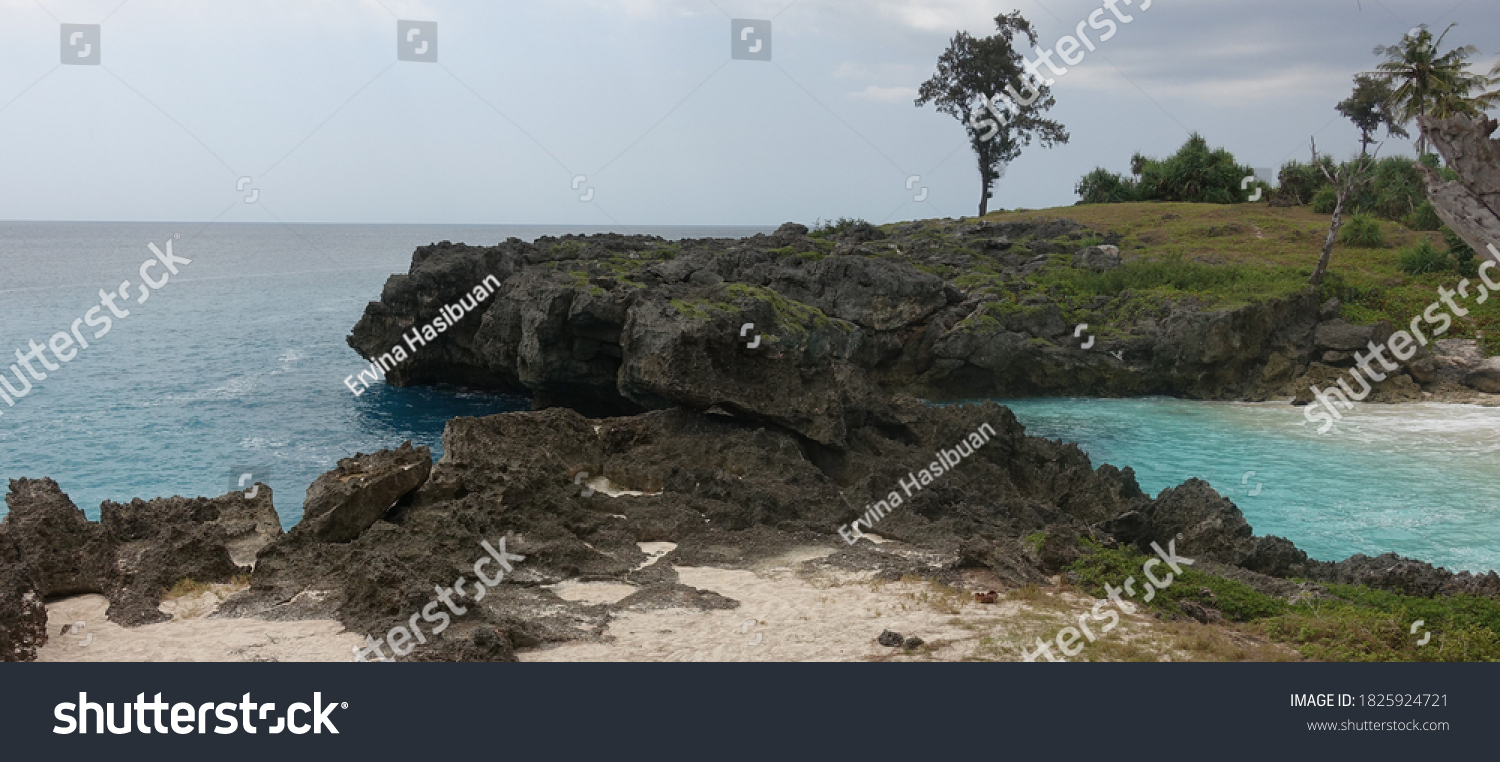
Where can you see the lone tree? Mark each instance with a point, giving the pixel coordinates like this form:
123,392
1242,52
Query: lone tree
1346,180
976,83
1369,108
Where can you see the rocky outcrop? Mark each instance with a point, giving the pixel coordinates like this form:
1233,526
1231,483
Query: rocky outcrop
136,552
812,332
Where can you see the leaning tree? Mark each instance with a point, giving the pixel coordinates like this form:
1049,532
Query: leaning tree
984,84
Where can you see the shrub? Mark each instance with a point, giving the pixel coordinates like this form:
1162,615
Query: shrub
1195,174
1325,200
1363,232
1462,252
1424,218
1297,182
833,228
1422,259
1102,186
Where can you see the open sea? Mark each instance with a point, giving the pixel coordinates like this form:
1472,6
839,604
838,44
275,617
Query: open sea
237,364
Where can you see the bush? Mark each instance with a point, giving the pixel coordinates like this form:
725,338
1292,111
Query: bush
1102,186
1422,259
833,228
1325,200
1297,183
1362,231
1462,253
1424,218
1195,174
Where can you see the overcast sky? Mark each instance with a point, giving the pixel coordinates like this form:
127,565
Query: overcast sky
307,98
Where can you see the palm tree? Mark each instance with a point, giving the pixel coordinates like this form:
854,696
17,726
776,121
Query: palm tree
1426,81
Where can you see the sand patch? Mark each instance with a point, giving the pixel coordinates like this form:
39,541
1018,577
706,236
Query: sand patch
188,637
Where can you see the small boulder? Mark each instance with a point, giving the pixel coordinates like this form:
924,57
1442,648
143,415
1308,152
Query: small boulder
1341,336
1485,378
1097,258
890,639
344,502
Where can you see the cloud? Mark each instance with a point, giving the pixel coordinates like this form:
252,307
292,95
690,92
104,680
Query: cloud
887,94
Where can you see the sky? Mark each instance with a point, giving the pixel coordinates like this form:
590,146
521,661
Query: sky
633,112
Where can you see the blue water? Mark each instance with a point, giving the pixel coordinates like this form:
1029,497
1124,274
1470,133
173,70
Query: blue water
235,365
1419,480
238,364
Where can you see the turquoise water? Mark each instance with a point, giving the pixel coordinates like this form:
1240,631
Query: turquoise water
1418,479
236,364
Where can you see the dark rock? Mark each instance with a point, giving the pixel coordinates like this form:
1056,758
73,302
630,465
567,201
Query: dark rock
1060,548
1339,335
890,639
912,642
1200,612
138,550
1484,379
23,616
69,553
343,503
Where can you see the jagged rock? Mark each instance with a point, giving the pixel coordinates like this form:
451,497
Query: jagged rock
344,502
23,616
890,639
138,550
71,554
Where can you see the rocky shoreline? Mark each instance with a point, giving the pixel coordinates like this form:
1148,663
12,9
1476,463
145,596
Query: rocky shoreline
731,449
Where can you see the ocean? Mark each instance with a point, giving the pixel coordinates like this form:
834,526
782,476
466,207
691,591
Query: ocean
236,365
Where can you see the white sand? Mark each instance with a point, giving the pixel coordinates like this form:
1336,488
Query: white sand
790,613
188,637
